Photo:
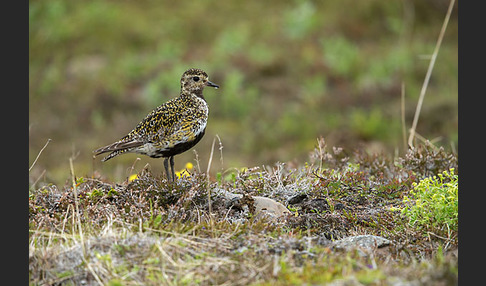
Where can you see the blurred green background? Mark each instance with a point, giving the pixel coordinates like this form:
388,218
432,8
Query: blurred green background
289,71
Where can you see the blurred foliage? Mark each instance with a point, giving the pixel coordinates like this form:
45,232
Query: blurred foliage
289,71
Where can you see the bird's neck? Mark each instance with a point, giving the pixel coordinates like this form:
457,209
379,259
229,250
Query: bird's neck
197,93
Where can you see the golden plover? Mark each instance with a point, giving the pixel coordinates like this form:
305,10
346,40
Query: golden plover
170,129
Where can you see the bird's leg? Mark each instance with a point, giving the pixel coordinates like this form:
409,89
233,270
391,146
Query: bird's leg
166,166
172,168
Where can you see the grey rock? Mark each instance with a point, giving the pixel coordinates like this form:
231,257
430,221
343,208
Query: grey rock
263,206
365,244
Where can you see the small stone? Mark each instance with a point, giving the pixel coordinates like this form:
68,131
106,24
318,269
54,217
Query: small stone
297,199
270,206
259,206
338,206
315,205
365,244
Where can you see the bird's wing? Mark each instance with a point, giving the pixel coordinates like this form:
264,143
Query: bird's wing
158,122
182,133
149,128
161,126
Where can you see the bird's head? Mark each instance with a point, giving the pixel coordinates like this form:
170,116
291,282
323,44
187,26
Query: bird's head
194,80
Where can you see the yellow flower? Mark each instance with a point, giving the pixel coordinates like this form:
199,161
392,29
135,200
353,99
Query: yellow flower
185,171
132,177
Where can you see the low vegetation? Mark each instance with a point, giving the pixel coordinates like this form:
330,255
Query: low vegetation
433,203
146,231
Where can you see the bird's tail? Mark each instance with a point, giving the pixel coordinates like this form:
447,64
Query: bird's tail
105,149
116,149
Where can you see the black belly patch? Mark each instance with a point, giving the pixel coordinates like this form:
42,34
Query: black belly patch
179,148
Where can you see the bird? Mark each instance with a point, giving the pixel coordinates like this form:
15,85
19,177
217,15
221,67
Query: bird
171,128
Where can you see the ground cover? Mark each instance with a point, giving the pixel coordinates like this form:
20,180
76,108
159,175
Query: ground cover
146,231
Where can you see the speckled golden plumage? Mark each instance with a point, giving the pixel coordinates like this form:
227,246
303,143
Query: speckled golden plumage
172,128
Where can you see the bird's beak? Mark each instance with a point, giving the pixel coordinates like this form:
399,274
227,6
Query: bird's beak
208,83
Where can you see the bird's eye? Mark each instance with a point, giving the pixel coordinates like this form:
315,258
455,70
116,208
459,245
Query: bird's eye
196,78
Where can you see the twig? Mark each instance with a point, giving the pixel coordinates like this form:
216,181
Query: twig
76,204
427,141
35,182
38,155
404,131
78,220
429,73
438,236
132,167
210,158
207,174
220,151
453,147
197,160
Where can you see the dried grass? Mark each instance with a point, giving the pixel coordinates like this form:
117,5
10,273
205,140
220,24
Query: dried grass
151,232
